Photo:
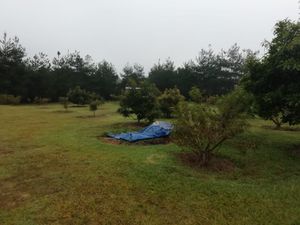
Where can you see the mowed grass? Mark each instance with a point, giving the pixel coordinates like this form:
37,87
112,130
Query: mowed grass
54,170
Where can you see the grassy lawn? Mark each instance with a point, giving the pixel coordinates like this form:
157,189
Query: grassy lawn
54,170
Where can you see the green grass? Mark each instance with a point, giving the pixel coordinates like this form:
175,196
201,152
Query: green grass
54,170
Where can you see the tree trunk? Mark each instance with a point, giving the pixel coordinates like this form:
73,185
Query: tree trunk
277,123
278,126
205,158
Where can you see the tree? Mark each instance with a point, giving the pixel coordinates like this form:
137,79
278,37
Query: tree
169,100
196,95
214,73
65,102
37,82
163,75
79,96
202,130
69,71
94,107
12,66
274,79
140,101
132,74
104,80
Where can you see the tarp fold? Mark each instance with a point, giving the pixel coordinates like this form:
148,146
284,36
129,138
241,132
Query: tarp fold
157,129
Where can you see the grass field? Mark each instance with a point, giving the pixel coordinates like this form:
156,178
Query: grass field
54,170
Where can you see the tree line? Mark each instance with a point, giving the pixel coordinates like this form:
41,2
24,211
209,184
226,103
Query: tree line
38,77
269,85
272,81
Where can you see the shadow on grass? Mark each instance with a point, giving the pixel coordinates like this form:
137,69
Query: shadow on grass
216,164
91,116
294,151
62,111
78,106
285,128
132,125
156,141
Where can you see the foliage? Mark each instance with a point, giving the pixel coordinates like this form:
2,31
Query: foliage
196,95
79,96
12,66
94,107
132,75
163,75
104,80
236,104
203,129
274,80
45,78
169,100
9,99
214,73
140,101
212,100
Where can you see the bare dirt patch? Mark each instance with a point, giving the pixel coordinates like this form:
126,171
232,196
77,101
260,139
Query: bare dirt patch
217,164
9,200
156,141
5,151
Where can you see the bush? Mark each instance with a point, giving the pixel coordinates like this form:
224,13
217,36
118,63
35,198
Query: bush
79,96
94,106
212,100
140,101
169,100
238,101
203,129
196,95
9,99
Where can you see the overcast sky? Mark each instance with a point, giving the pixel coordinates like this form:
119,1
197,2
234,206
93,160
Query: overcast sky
141,31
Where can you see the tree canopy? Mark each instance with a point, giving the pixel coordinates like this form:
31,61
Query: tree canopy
274,79
42,77
140,101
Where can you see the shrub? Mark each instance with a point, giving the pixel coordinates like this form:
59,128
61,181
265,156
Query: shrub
65,102
196,95
169,100
9,99
212,100
79,96
94,107
202,129
140,101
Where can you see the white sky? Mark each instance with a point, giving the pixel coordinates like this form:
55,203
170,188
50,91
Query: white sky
141,31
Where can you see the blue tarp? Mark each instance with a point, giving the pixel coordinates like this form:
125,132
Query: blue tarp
156,130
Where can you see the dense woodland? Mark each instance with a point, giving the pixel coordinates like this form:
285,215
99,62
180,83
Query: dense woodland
41,77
